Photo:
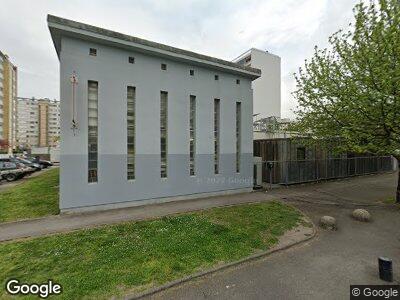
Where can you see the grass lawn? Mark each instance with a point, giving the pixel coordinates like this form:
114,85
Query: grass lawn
35,197
129,257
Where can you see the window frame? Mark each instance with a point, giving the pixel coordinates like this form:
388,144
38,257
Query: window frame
131,127
301,153
238,135
164,133
192,134
93,138
93,51
217,129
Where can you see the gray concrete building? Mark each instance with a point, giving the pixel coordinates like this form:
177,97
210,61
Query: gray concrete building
143,122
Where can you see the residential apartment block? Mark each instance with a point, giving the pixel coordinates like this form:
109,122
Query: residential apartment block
267,88
38,122
143,122
8,98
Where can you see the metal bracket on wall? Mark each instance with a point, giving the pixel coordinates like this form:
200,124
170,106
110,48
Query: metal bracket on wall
74,82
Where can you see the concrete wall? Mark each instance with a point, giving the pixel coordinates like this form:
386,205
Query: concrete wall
113,72
267,88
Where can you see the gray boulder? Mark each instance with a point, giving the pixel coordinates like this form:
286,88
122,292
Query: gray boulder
361,215
328,222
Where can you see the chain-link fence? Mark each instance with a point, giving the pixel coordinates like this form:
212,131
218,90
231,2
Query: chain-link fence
297,171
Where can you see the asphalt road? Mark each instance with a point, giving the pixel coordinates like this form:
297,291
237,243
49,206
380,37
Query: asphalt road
325,267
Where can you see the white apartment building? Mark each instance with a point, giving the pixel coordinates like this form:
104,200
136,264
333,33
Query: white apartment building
38,122
267,88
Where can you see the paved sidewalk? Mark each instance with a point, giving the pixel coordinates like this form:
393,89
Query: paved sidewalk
326,192
68,222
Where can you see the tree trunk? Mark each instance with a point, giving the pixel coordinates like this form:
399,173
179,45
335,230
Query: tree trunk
398,186
398,180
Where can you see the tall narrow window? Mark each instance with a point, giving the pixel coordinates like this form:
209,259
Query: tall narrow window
216,135
131,98
164,133
192,133
238,134
92,130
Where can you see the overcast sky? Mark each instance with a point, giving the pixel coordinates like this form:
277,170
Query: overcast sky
224,29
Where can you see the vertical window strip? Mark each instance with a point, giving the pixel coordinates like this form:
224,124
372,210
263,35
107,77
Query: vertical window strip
92,130
131,119
192,133
238,134
164,133
216,134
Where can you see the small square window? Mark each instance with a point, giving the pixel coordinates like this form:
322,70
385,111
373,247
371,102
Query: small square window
163,67
93,52
237,81
216,77
191,72
131,60
301,153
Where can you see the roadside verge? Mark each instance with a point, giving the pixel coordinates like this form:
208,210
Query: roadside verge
296,236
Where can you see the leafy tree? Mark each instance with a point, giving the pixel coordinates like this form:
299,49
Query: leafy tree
349,94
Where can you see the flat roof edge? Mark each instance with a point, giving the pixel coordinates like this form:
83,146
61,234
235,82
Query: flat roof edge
76,28
246,53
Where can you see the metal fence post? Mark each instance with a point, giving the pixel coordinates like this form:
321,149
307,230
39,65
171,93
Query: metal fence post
355,165
286,173
326,168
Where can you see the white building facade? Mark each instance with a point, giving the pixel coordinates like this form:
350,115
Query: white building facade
143,122
267,88
38,122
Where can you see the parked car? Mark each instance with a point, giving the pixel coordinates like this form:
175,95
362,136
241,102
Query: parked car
28,168
44,163
11,171
34,165
27,163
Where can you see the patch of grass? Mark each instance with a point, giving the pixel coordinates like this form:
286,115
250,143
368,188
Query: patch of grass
35,197
390,200
116,260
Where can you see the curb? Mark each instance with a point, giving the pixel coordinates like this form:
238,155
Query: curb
220,268
23,221
343,205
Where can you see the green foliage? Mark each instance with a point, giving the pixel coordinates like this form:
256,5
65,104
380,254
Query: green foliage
390,200
349,94
32,198
119,259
